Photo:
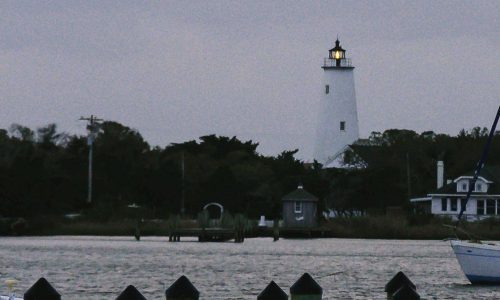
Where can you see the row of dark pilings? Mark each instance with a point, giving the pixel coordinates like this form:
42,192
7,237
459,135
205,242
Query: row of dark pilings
305,288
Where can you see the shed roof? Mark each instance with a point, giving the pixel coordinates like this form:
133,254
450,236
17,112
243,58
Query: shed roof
300,195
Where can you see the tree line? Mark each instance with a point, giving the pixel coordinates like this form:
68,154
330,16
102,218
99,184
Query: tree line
43,172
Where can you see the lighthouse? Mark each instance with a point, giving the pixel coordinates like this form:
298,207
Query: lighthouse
338,116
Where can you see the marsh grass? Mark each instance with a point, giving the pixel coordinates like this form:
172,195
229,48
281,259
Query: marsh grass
371,227
402,227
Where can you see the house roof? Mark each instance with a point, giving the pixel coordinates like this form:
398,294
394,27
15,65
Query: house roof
491,173
300,195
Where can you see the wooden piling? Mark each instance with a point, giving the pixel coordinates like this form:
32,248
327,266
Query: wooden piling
130,293
306,288
173,226
276,230
137,233
406,292
240,224
239,236
272,292
42,290
399,280
182,289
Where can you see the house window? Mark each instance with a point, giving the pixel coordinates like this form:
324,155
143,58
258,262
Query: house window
480,207
490,207
444,204
342,125
453,204
327,89
464,187
463,204
479,187
298,207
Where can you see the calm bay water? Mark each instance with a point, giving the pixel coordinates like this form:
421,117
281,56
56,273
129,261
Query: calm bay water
101,267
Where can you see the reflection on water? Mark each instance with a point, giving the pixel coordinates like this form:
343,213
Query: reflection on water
101,267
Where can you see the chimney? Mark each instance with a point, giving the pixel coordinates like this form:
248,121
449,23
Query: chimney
440,174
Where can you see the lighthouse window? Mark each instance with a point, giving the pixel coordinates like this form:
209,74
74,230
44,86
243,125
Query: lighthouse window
342,125
327,89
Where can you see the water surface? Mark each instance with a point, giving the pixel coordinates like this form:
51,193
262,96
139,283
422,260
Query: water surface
101,267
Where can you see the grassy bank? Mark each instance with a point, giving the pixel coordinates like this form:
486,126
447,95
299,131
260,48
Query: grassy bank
51,226
380,227
423,227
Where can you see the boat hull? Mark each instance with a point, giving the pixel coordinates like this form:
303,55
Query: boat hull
479,262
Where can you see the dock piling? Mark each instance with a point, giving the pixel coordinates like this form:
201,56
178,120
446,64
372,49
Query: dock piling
137,233
306,288
42,289
398,281
272,292
182,289
406,292
131,293
276,230
399,287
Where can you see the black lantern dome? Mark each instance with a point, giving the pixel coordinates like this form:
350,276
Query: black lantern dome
337,52
337,58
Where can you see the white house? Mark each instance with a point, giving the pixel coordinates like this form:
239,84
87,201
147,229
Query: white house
448,199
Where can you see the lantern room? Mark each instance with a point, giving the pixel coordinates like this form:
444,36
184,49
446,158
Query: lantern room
336,58
337,53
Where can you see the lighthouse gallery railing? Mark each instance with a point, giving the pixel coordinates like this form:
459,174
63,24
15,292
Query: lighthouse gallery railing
344,62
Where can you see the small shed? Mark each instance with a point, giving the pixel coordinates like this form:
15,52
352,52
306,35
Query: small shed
300,209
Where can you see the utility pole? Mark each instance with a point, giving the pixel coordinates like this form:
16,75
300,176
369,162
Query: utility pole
408,174
92,127
183,209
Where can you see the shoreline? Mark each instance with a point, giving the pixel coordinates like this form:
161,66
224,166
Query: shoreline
374,227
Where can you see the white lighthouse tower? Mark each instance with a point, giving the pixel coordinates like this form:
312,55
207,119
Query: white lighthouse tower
338,116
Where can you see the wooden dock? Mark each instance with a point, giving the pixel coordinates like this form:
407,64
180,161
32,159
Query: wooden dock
226,234
203,235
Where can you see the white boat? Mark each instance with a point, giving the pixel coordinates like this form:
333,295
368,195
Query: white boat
479,261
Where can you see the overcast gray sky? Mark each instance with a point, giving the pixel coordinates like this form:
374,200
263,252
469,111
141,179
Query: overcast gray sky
177,70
